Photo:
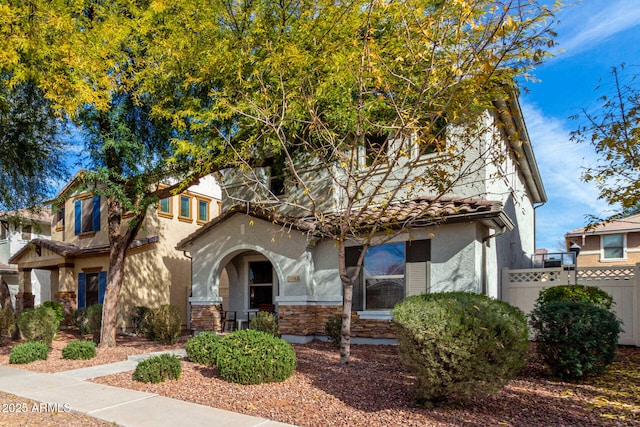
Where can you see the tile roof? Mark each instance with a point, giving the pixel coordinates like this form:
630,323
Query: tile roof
419,212
630,223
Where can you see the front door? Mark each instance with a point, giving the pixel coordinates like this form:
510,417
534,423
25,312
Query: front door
260,284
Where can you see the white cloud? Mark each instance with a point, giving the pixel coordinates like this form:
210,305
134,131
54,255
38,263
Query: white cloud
560,162
594,21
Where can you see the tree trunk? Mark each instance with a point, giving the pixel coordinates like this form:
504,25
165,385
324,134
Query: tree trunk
347,298
5,295
115,279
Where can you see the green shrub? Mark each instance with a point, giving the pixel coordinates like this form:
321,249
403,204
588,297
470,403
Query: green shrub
38,324
7,324
577,293
575,338
254,357
140,320
79,349
460,345
94,321
158,368
265,322
28,352
333,329
203,348
164,324
57,308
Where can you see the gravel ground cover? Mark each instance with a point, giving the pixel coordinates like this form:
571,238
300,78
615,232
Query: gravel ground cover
375,390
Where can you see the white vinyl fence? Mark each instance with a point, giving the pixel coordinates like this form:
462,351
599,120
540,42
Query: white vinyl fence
521,288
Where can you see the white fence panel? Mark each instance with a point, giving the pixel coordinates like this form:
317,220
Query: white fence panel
521,288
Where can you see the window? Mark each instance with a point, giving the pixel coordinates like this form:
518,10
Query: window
185,208
389,273
203,211
26,232
4,230
87,215
165,207
260,283
613,246
59,219
376,149
91,288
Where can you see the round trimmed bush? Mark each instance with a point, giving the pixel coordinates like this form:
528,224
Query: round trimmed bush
265,322
79,349
459,344
203,348
158,368
254,357
38,324
577,293
28,352
575,338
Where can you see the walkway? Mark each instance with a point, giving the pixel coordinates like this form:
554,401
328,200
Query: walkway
120,406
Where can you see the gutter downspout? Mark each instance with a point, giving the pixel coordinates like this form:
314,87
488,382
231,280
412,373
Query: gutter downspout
190,288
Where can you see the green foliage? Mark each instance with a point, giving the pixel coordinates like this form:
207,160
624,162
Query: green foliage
157,369
164,324
140,320
79,349
254,357
56,307
265,322
94,321
28,352
575,338
38,324
203,348
7,324
79,318
333,328
577,293
460,345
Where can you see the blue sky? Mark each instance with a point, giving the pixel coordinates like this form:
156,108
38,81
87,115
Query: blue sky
593,37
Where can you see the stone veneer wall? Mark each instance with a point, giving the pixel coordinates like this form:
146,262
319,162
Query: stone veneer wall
206,317
305,320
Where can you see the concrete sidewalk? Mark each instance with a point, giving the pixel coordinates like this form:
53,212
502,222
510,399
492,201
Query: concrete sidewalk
117,405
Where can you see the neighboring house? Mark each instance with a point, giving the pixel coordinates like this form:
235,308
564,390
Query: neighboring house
252,257
77,256
17,228
612,243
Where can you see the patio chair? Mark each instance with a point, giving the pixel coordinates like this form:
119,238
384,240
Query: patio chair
228,321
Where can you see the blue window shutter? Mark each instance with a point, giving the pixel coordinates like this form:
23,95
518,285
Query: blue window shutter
96,213
77,206
102,286
82,290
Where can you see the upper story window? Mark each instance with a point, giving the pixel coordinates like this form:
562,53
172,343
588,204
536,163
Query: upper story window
165,207
26,232
185,208
613,246
4,230
376,149
87,215
203,210
59,219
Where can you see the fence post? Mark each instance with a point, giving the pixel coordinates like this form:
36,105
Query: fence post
636,306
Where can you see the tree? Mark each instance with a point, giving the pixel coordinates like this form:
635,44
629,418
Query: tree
614,131
342,85
31,146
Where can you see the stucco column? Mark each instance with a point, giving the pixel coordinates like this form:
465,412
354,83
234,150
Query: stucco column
24,297
66,294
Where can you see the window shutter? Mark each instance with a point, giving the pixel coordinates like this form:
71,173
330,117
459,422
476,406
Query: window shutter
82,290
418,253
96,213
102,286
351,255
77,215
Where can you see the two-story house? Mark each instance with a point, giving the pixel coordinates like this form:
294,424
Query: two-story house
612,243
255,255
77,256
17,228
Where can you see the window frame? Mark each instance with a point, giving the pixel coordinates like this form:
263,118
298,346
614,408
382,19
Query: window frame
604,247
162,213
207,201
26,229
182,217
79,212
59,219
4,230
